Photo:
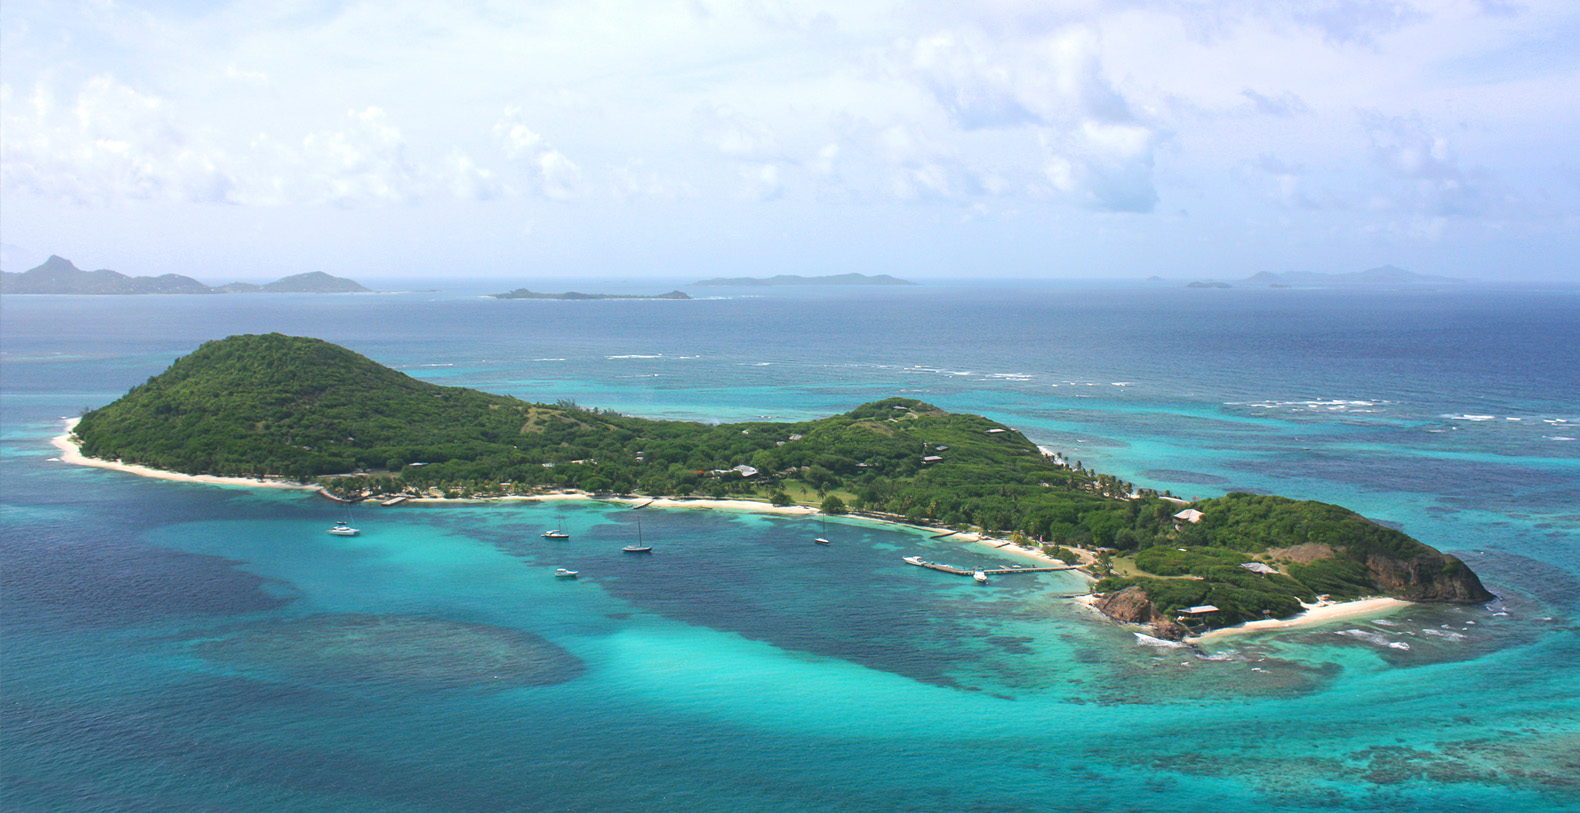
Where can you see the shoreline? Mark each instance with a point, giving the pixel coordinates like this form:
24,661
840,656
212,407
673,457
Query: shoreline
1315,615
71,452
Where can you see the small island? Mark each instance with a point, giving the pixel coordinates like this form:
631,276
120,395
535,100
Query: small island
58,275
274,406
796,279
523,293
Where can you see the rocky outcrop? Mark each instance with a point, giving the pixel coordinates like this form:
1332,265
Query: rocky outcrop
1132,605
1435,577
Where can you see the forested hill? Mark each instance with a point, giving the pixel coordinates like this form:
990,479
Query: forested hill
304,408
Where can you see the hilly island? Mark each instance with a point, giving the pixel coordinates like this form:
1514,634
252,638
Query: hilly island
304,409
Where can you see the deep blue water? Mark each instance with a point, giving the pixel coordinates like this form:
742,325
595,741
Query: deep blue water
180,647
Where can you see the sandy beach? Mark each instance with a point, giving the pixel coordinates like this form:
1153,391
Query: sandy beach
1315,616
71,453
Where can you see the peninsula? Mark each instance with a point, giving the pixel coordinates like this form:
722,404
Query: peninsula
523,293
287,407
58,275
795,279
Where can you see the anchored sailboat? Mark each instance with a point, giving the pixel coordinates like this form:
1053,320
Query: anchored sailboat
343,527
638,547
558,532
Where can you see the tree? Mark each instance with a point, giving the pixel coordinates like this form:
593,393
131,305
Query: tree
832,504
778,497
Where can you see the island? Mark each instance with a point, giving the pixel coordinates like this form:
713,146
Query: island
1384,276
58,275
523,293
302,409
795,279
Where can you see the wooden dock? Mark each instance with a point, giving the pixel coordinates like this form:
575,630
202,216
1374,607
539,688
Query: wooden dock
994,572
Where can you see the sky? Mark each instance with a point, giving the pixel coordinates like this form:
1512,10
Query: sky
694,138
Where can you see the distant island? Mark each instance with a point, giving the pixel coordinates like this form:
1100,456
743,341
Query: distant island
795,279
1209,284
1384,276
301,408
523,293
58,275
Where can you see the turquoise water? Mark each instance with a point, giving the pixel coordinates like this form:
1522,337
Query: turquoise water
182,647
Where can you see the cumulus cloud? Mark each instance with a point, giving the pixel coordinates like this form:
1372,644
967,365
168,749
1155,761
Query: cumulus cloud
113,142
1419,169
1096,151
1285,104
543,168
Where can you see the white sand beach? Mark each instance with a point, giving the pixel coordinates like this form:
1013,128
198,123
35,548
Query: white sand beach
71,452
1315,616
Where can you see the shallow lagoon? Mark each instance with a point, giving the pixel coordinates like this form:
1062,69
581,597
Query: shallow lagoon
178,647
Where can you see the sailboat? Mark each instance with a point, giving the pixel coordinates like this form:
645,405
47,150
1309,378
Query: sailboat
823,540
343,527
638,547
557,533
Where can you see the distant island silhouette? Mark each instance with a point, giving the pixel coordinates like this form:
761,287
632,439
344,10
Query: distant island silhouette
58,275
523,293
796,279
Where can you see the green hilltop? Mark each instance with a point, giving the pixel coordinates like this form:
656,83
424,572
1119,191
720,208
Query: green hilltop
301,408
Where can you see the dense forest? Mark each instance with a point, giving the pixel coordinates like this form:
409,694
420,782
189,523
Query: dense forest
305,409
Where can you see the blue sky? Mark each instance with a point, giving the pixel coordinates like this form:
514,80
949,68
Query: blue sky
1085,138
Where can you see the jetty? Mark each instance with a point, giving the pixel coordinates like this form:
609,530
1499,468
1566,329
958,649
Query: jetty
395,500
919,562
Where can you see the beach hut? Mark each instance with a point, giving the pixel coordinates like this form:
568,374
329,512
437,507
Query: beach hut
1190,515
1258,567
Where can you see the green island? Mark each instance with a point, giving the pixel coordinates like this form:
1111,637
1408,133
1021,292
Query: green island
261,406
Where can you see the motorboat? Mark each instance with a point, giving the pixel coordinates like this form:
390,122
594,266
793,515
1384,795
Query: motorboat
344,529
980,577
562,573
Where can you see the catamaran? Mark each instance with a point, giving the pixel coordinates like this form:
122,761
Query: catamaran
343,527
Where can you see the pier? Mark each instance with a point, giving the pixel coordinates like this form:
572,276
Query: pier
994,572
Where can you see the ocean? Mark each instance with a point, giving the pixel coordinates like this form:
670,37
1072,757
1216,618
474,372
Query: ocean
180,647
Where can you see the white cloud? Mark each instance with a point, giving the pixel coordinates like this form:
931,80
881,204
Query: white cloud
542,168
1421,174
115,143
1057,112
